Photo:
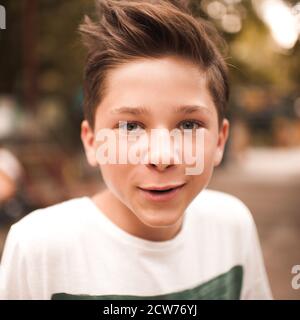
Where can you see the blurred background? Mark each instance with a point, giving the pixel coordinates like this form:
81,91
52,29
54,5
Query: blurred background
41,155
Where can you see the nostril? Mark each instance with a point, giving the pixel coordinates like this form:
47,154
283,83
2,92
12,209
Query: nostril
160,166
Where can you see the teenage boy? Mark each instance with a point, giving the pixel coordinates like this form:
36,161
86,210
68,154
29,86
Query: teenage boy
155,232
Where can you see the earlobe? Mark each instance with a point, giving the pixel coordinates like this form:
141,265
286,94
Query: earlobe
87,138
223,136
218,157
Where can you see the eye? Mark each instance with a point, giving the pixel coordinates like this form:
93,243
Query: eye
189,125
129,126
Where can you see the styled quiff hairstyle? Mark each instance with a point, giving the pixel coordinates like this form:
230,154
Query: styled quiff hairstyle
127,30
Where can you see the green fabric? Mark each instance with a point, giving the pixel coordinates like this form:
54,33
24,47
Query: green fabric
226,286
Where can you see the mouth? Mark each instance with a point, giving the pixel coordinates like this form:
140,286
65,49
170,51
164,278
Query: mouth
164,193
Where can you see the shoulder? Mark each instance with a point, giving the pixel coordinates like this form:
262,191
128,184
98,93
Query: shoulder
69,211
221,209
55,223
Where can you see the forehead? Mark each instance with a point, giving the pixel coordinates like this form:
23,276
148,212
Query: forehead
156,83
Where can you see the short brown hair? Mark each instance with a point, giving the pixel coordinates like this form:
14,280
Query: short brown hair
127,30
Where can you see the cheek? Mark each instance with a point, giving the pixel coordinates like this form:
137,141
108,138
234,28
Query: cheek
210,145
204,152
116,177
203,148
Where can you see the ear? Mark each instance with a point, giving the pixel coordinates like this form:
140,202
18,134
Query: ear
222,138
88,140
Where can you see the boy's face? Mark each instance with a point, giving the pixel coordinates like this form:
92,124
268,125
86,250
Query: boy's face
159,86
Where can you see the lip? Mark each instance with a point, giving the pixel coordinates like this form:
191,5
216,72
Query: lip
161,197
162,187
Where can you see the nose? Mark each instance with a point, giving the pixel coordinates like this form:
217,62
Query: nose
161,159
160,167
162,152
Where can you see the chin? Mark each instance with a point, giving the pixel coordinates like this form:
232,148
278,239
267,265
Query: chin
160,218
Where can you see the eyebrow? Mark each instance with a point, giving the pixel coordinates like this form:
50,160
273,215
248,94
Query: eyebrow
186,109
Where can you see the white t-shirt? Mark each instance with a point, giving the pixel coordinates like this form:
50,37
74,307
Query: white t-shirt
71,250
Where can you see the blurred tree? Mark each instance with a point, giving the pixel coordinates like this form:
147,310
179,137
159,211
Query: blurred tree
10,53
54,57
